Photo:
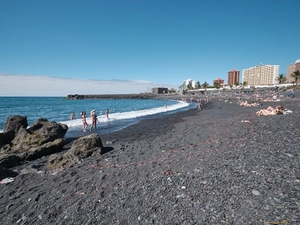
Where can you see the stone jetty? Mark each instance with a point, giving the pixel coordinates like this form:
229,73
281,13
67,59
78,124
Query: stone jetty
114,96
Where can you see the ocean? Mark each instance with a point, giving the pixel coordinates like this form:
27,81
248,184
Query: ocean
122,112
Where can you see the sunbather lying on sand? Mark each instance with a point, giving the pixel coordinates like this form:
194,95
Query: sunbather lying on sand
245,103
270,111
267,100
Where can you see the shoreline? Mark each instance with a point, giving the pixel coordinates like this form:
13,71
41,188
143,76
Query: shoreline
192,167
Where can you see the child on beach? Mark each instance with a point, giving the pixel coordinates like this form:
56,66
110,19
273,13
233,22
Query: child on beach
72,116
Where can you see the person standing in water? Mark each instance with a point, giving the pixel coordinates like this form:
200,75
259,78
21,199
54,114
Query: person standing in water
94,122
106,113
92,113
72,116
84,123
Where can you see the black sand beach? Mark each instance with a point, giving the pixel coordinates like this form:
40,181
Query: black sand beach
220,165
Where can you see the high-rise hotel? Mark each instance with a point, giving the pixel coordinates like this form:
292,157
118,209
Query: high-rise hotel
261,75
233,77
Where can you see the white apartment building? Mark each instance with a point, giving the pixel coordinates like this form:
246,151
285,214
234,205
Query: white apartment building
189,81
261,75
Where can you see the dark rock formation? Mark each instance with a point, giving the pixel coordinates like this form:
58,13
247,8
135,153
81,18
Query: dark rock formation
9,160
6,173
81,148
12,127
42,138
45,149
48,130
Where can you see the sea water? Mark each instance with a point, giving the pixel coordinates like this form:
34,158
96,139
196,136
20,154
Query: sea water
122,112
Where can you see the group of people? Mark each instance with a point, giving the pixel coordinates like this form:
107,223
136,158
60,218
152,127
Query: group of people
263,112
84,121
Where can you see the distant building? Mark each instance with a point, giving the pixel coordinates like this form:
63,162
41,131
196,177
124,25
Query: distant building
261,75
290,69
233,77
218,80
297,65
160,90
189,81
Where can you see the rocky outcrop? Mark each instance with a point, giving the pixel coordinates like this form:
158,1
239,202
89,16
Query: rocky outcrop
20,144
4,172
40,135
12,127
81,148
9,160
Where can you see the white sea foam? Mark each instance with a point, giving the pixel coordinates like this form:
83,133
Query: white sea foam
75,124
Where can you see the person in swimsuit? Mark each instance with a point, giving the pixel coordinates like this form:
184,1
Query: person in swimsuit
94,122
270,111
106,113
92,113
84,123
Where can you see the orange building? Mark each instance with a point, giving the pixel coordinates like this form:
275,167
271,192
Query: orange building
218,80
233,77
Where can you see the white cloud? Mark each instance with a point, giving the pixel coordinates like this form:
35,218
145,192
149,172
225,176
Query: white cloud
27,85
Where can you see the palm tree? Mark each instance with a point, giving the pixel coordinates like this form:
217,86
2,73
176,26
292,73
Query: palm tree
198,85
181,87
296,75
217,85
281,78
205,85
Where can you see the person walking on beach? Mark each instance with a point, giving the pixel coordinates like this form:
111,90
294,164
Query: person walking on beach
94,122
72,116
199,104
84,123
106,113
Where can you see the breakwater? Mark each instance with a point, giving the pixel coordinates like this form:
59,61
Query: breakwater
114,96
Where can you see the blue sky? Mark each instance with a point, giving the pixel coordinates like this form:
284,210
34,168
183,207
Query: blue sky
150,42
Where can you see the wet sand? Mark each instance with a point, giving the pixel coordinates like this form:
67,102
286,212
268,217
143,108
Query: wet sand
220,165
